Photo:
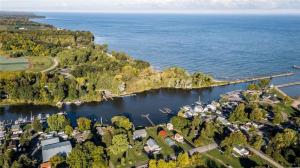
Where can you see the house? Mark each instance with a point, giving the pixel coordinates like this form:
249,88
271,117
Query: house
170,126
81,136
177,137
198,109
2,135
241,151
61,148
152,146
63,135
170,142
16,129
142,133
100,131
49,141
163,133
223,121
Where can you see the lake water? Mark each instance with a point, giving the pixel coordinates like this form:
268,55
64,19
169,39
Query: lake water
226,46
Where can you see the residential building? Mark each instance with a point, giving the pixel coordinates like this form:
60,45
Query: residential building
152,146
142,133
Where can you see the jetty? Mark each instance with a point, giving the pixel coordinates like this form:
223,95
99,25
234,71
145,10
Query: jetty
288,84
262,77
147,117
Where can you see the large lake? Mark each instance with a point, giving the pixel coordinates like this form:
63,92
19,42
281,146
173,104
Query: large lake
227,47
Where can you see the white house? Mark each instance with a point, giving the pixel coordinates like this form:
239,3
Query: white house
142,133
177,137
170,126
241,151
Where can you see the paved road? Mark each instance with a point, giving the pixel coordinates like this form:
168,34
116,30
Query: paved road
53,66
203,149
265,157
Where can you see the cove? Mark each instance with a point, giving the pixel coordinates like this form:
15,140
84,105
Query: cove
148,102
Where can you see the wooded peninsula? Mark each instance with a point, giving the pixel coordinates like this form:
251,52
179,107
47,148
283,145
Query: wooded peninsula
68,66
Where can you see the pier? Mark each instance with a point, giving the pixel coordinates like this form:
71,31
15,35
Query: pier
262,77
147,117
288,84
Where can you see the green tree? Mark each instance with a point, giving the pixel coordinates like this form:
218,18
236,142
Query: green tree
179,122
56,161
197,160
68,130
256,142
183,160
152,164
235,138
78,158
238,114
122,122
119,144
277,118
57,122
256,115
36,125
83,124
208,130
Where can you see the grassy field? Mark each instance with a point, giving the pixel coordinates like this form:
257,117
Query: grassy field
32,64
252,161
37,64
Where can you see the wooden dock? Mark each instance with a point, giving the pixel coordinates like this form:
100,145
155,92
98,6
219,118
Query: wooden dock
147,117
288,84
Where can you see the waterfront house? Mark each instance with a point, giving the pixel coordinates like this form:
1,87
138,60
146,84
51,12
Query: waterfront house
198,109
2,135
151,146
63,135
142,133
179,138
241,151
59,148
16,129
170,126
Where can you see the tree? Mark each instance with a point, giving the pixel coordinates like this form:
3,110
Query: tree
264,83
179,122
119,144
162,164
257,142
277,118
253,86
183,160
197,160
83,124
235,138
285,139
77,158
122,122
256,115
57,122
56,161
208,130
196,123
68,130
36,125
152,164
238,114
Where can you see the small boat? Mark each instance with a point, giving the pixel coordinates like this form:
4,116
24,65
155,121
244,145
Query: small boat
77,102
296,67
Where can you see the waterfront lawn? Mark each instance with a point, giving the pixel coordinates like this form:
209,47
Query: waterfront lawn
166,150
185,145
251,161
135,156
287,108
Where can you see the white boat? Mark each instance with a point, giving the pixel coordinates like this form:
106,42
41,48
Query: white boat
77,102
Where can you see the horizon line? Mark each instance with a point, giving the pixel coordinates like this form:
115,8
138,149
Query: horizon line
236,11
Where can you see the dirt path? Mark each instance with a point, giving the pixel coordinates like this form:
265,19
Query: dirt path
55,64
265,157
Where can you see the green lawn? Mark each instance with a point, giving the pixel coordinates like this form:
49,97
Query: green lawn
166,149
13,64
252,161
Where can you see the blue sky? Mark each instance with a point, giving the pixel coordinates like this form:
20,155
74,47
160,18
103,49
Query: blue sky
152,5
